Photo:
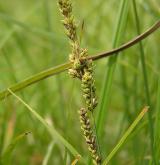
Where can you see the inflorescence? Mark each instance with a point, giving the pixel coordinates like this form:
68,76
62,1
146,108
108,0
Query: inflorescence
82,69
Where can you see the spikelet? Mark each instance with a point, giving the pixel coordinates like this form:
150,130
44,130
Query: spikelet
78,57
88,135
88,87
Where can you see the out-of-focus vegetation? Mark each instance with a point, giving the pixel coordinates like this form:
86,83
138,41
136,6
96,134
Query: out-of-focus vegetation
32,39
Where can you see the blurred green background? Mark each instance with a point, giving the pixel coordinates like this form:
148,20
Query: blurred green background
32,39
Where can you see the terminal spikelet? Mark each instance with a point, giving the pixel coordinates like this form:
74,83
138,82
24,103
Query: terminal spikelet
65,7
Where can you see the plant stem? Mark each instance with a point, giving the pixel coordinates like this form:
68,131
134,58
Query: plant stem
146,84
105,94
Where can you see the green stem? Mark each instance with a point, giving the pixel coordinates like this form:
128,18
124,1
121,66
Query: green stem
146,84
105,94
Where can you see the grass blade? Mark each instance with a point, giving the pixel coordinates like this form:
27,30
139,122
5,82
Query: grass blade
145,77
54,134
125,136
31,80
105,94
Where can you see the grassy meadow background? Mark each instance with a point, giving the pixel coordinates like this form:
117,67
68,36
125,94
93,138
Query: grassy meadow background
32,39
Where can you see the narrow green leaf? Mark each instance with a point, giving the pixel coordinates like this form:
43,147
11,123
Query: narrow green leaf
35,78
125,136
52,131
145,78
108,76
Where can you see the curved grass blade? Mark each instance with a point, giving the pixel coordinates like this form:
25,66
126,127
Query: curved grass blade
52,131
125,136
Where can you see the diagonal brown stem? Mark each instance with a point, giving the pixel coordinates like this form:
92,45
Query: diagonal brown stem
128,44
